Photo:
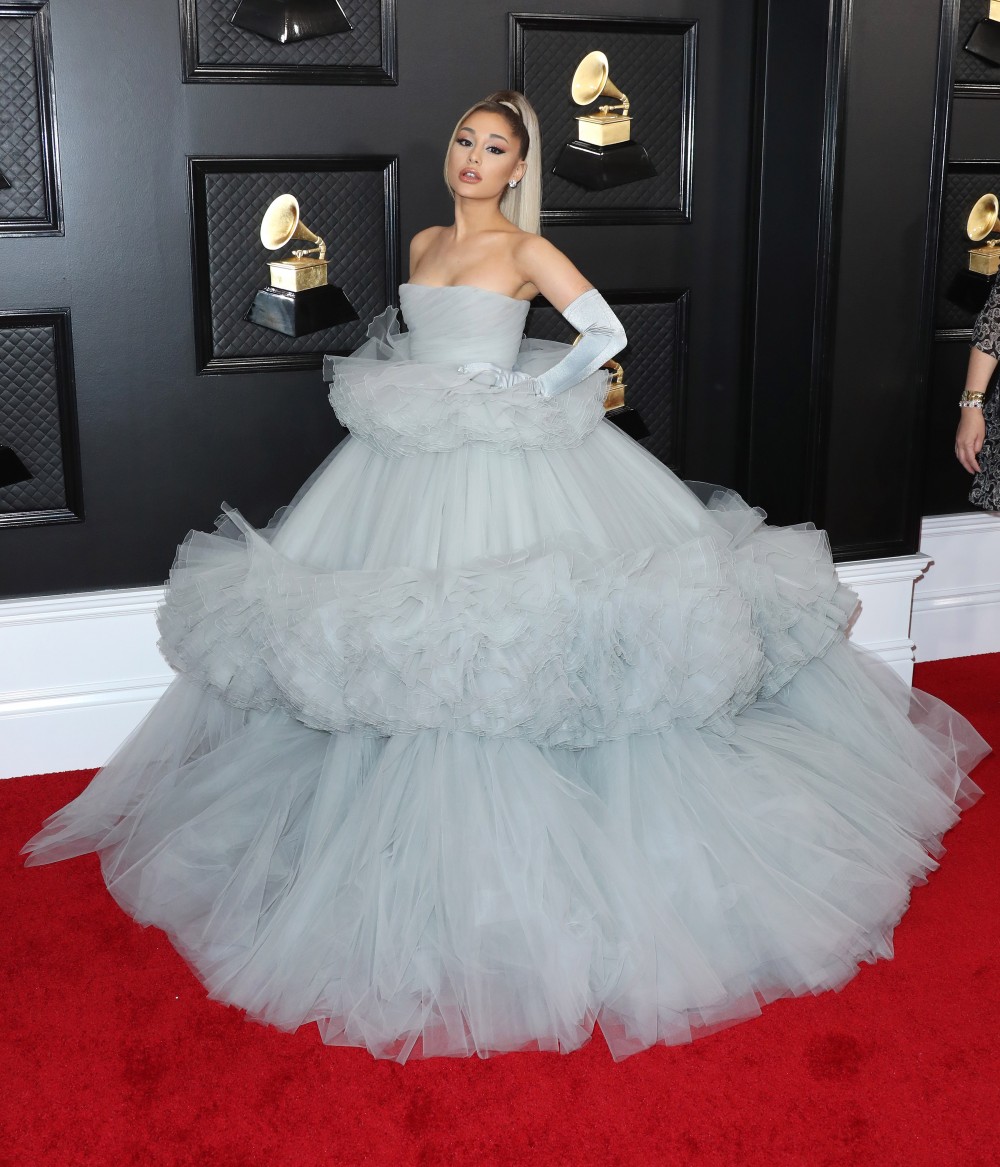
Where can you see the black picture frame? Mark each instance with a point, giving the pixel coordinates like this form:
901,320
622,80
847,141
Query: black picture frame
654,362
664,115
213,50
42,386
229,264
31,202
972,76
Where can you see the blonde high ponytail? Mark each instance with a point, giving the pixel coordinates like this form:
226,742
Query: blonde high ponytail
521,204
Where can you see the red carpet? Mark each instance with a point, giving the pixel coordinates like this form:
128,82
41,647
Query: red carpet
114,1056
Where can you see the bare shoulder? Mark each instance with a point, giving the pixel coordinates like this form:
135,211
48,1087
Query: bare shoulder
531,250
554,275
421,242
427,235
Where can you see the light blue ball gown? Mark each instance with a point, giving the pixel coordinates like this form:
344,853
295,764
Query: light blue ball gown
498,732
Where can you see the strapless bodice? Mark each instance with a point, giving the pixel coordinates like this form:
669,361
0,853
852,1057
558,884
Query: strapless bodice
406,392
459,322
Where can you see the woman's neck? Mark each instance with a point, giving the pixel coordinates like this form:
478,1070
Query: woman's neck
473,217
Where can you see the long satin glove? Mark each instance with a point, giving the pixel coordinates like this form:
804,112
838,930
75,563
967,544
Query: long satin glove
601,336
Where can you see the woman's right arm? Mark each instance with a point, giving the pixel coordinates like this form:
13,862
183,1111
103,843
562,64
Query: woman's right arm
419,245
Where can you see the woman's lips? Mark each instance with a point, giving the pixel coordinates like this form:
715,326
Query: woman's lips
469,176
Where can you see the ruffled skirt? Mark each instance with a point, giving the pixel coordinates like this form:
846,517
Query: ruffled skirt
475,749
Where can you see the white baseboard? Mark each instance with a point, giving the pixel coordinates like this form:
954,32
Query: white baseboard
882,623
956,606
79,672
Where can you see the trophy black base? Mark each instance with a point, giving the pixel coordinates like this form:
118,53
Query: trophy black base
299,313
287,21
985,41
602,167
12,469
627,420
969,289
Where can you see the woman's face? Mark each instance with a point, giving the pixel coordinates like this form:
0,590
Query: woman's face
484,157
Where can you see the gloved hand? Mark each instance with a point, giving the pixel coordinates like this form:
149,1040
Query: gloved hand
498,378
601,336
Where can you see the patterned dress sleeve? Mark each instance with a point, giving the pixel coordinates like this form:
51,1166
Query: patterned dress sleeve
986,330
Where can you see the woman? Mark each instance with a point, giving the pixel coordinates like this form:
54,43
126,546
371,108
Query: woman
498,732
979,425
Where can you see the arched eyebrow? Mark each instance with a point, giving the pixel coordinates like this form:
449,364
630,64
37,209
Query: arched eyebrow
470,130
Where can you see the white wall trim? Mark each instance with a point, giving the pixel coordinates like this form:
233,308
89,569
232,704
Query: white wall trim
956,607
80,606
882,623
935,526
78,672
974,595
81,696
898,569
898,653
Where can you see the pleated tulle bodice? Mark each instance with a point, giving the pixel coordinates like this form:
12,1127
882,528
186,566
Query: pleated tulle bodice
404,393
478,325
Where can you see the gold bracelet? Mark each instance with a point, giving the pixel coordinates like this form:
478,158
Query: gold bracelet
972,398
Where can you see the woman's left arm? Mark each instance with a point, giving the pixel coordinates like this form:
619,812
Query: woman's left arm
971,431
983,357
601,333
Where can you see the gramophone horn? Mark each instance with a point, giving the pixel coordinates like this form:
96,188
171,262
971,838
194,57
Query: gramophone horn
281,223
983,217
12,469
591,81
289,21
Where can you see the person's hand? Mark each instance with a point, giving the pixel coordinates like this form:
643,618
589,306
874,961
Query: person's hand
486,374
969,439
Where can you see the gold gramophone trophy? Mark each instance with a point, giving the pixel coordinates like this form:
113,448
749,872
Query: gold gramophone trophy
288,21
615,409
971,284
985,39
604,154
984,221
299,299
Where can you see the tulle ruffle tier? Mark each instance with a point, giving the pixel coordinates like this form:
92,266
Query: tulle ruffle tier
448,894
566,643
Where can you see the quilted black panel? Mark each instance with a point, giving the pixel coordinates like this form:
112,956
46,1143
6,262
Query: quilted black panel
964,183
216,49
653,361
648,61
970,69
345,204
37,417
29,199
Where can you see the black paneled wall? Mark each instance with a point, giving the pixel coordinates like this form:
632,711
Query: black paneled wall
893,158
973,169
794,212
801,261
162,446
853,99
